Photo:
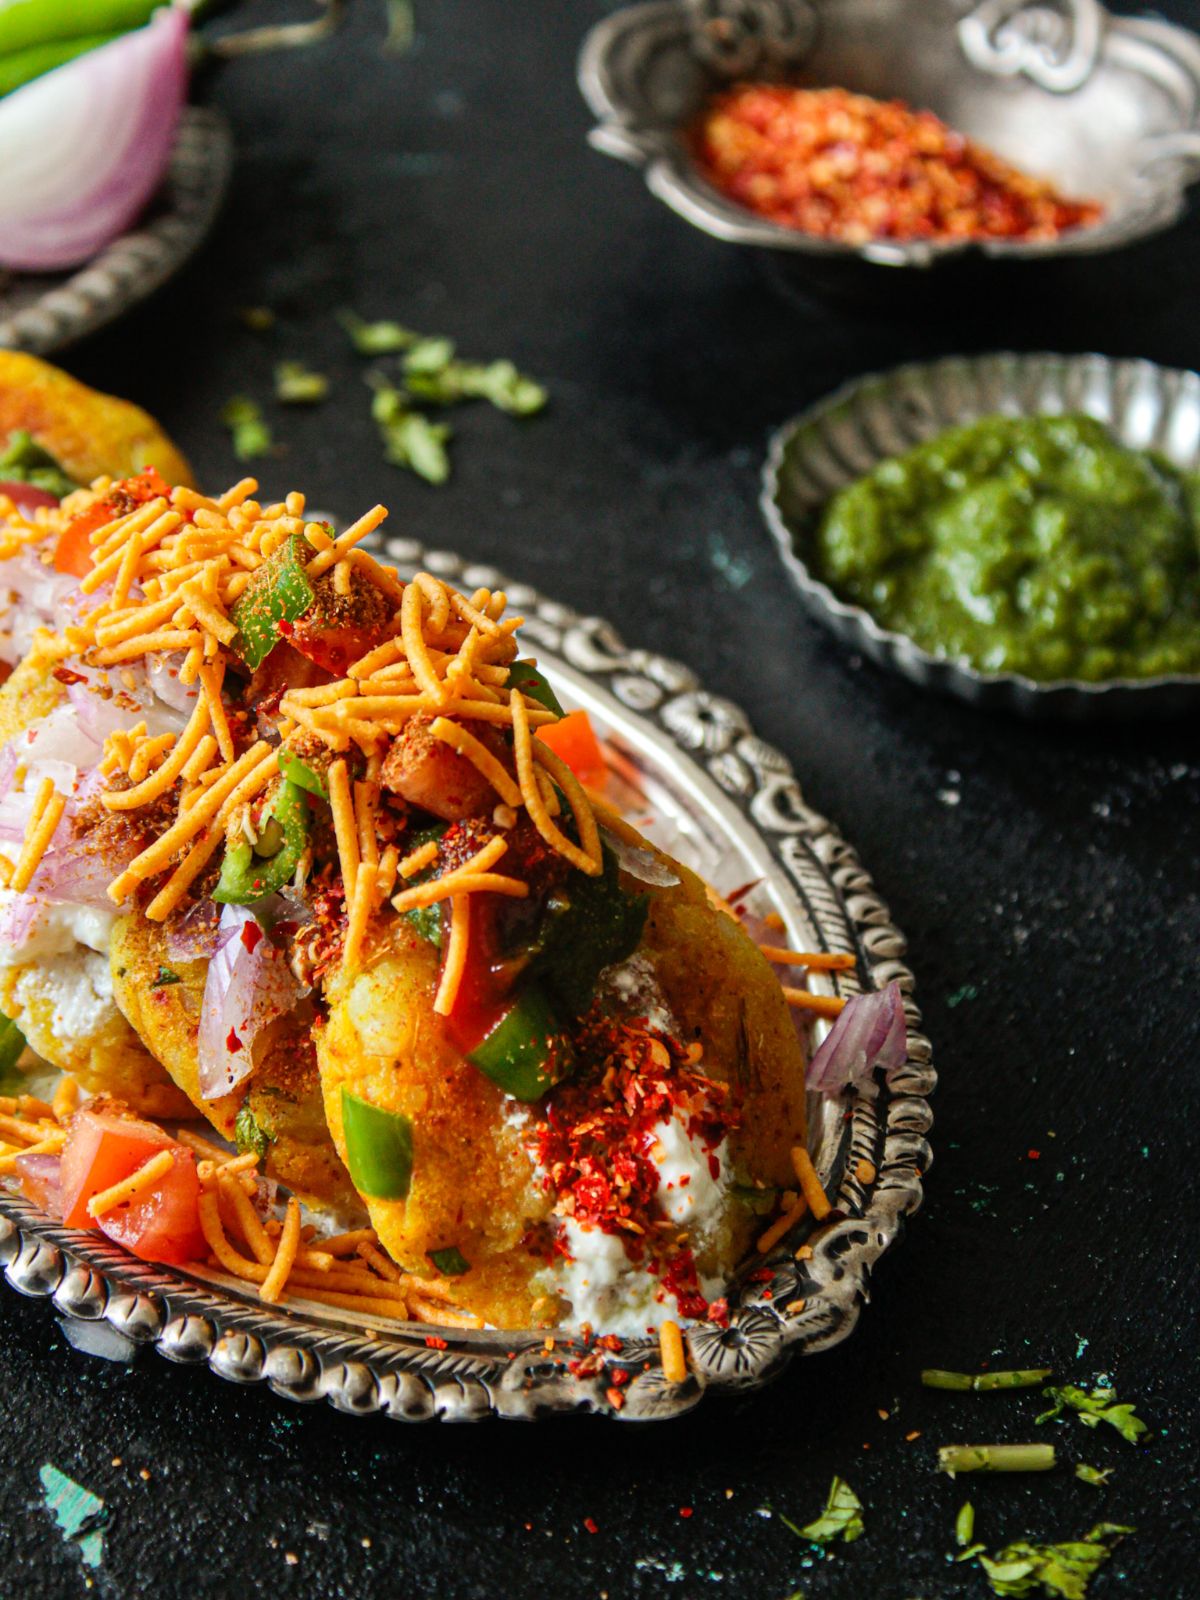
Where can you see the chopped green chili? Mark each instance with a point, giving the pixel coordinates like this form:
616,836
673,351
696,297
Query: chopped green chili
379,1148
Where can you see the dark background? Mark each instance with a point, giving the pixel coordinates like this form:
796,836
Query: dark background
1046,877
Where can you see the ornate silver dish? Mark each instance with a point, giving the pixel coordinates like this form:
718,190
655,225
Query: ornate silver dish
1107,107
844,436
733,805
42,312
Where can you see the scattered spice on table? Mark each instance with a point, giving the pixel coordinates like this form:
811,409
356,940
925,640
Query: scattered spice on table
845,166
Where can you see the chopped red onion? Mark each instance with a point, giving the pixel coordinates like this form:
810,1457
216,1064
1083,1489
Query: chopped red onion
41,1181
639,862
870,1033
193,937
249,985
83,148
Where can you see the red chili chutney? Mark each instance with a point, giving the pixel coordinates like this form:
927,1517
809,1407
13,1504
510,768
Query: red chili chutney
845,166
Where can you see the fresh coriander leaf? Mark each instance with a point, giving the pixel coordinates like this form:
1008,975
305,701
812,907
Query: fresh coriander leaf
841,1518
970,1552
376,338
1093,1409
251,436
964,1525
165,978
296,385
1062,1570
410,439
259,319
429,355
401,27
450,1262
1093,1475
506,388
249,1134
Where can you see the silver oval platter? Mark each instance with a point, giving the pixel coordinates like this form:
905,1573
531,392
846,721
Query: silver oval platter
1147,407
731,807
41,312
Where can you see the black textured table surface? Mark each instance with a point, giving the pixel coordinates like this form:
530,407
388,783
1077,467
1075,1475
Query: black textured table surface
1046,878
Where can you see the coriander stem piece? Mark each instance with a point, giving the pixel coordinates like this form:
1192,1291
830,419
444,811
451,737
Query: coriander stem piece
1026,1378
932,1378
954,1458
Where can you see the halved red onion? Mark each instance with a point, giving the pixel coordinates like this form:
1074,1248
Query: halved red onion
870,1033
26,498
249,985
84,147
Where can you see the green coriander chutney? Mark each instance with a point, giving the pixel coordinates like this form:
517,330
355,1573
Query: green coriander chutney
1035,545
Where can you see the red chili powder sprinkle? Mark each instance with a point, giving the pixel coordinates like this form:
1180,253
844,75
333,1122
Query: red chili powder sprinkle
1035,1155
595,1145
846,166
685,1511
591,1524
434,1343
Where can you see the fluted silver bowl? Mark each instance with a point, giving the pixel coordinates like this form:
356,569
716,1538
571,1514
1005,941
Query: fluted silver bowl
1106,107
1146,406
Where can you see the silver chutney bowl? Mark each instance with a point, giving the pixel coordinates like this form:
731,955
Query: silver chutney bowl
1146,407
1106,107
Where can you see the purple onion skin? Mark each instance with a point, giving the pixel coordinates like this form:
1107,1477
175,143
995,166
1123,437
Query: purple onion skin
870,1033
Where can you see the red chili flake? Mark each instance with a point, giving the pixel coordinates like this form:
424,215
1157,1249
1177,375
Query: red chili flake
846,166
285,627
232,1043
685,1511
763,1275
1035,1155
251,933
67,676
589,1523
619,1376
611,1341
615,1398
434,1343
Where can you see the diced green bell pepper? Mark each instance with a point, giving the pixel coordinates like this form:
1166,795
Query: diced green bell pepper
280,593
525,676
379,1148
526,1053
12,1046
450,1262
249,872
297,771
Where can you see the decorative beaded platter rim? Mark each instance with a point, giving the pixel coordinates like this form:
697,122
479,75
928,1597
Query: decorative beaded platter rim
848,433
44,312
733,800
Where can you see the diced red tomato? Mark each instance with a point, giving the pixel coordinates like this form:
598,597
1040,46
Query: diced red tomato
574,741
162,1223
73,553
332,646
482,996
101,1149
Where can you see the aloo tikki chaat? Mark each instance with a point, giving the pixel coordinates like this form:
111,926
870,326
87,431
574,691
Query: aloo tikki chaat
313,853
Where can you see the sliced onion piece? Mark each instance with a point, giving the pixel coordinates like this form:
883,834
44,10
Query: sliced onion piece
83,148
26,498
639,862
869,1033
249,985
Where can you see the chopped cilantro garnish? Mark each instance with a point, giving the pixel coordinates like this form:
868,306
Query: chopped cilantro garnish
401,27
1063,1570
1093,1409
251,436
296,385
376,338
249,1133
165,978
1096,1476
409,438
841,1518
964,1525
498,382
259,319
450,1262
